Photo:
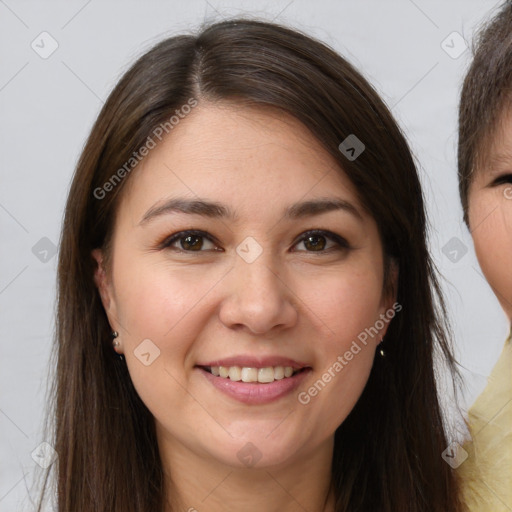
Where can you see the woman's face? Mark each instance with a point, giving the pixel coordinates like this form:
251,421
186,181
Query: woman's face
490,214
250,290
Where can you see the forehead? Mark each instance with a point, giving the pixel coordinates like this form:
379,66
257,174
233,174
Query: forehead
495,154
241,155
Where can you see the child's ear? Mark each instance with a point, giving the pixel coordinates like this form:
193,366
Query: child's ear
104,284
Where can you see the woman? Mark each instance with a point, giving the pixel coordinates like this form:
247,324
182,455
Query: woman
244,227
485,159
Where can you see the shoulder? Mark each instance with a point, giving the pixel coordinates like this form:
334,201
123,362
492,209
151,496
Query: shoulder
486,475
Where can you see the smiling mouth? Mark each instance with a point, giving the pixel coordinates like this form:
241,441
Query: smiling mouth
264,375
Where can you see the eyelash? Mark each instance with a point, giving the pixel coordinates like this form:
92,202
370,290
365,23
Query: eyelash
343,245
506,178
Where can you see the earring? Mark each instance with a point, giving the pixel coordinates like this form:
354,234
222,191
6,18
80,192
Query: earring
380,348
116,343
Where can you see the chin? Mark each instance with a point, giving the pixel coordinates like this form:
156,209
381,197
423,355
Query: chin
258,453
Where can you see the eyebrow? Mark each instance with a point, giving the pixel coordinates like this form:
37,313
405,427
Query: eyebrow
214,209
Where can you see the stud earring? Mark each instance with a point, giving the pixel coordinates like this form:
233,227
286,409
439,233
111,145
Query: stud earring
115,342
380,348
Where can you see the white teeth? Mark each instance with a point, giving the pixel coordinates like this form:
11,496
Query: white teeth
235,373
247,374
266,374
279,372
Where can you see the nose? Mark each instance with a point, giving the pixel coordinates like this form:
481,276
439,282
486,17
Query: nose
257,299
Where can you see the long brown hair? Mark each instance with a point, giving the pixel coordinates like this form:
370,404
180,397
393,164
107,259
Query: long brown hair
387,453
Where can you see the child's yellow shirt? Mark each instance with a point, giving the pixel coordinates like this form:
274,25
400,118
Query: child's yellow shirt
487,472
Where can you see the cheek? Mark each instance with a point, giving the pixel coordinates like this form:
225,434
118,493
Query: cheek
350,308
155,300
347,300
490,217
167,306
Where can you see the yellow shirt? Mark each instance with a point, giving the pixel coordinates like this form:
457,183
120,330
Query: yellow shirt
487,472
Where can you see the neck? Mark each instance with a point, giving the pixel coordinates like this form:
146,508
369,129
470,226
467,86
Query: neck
196,483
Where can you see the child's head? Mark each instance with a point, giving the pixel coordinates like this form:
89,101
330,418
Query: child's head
485,153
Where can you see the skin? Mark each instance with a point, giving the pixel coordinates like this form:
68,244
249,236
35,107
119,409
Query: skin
195,306
490,213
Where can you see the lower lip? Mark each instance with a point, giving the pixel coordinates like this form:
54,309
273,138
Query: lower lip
255,393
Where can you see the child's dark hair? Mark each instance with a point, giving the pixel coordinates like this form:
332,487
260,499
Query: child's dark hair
486,93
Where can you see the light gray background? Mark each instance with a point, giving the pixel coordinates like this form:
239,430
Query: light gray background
48,107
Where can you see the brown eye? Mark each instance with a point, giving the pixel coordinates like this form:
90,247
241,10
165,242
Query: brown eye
189,241
318,240
315,243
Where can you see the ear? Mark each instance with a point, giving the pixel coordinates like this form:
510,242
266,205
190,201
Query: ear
104,284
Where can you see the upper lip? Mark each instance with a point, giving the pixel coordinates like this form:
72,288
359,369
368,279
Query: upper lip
255,362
